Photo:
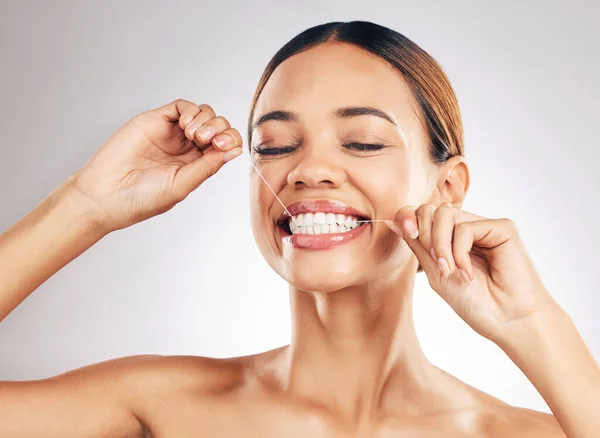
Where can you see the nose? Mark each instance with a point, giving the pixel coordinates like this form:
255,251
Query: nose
316,169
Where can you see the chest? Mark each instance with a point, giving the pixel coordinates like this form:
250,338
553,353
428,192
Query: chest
266,421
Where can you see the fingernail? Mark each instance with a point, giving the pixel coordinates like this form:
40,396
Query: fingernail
230,155
443,264
432,253
206,133
465,276
220,142
192,129
187,119
410,228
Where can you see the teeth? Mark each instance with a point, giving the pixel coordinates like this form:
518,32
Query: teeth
319,218
322,223
308,219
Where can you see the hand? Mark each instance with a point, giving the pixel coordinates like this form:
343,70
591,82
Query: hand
154,161
479,266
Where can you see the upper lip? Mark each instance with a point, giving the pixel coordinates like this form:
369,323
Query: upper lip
320,205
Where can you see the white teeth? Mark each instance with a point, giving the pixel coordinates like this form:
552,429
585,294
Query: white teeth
308,219
319,218
322,223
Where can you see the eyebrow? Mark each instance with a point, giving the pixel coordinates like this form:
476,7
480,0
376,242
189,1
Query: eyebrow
344,113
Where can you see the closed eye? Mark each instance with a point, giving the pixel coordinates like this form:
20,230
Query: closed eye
361,147
262,150
364,147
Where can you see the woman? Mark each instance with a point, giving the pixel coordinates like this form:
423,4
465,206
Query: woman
352,124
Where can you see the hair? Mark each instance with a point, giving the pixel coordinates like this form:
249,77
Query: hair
425,77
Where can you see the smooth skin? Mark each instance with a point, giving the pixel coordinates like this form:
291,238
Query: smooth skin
354,367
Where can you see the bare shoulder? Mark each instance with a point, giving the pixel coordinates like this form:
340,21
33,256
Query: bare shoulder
521,423
156,373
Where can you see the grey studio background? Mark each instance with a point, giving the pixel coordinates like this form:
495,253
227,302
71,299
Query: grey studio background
191,281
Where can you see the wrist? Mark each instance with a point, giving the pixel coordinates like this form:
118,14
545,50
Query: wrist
80,209
536,329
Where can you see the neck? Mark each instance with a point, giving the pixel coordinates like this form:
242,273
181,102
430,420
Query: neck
355,351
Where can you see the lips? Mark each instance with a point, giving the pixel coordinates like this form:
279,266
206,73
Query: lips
320,241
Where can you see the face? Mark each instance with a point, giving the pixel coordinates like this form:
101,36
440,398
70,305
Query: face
340,139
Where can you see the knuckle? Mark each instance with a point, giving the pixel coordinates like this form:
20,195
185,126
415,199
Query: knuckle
207,109
508,224
222,121
212,170
442,210
460,227
425,210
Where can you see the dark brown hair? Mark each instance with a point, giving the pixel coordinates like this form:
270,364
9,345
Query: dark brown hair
425,77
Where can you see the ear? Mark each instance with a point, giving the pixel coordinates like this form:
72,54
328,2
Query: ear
453,181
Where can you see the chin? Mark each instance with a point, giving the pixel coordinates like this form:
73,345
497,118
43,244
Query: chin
324,271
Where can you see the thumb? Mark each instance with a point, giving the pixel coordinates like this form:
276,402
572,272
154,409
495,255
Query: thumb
190,176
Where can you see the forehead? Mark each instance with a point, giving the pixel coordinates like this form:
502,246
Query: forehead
332,75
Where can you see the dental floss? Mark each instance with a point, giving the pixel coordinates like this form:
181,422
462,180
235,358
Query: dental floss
286,210
273,191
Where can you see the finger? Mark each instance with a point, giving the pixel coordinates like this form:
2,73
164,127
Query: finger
464,233
177,110
205,114
190,176
425,220
228,139
407,221
444,220
208,130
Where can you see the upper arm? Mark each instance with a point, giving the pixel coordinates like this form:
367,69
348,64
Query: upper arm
92,402
526,423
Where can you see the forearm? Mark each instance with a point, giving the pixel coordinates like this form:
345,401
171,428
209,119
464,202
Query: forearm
551,353
59,229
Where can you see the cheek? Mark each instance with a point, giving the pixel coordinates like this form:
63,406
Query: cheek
260,202
388,187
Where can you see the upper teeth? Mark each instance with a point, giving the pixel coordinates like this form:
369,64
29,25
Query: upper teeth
322,223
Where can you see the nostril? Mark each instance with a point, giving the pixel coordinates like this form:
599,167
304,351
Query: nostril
325,182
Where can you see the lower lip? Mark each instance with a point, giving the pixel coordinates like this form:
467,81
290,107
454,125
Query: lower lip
322,241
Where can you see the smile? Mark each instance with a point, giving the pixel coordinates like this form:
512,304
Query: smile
320,224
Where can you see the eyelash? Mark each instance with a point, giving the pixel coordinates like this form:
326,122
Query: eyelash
360,147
